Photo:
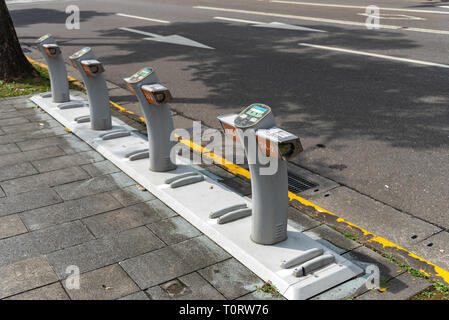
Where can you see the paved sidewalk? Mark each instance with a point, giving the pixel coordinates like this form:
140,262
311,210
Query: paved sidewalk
62,204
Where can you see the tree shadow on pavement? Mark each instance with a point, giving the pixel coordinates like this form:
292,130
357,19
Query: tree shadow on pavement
312,92
355,106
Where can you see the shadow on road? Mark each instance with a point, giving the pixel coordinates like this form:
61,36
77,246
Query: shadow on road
314,93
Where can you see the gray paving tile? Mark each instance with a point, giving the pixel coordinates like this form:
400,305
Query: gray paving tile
7,109
69,211
188,287
105,251
346,290
174,261
50,292
218,171
332,239
11,112
12,121
28,201
363,257
75,146
106,283
27,135
25,275
260,295
16,171
11,225
140,295
8,148
174,230
43,180
62,162
100,168
60,236
68,143
2,194
17,248
20,103
92,186
402,287
239,185
40,116
123,219
162,209
300,221
15,158
231,278
42,241
131,195
39,124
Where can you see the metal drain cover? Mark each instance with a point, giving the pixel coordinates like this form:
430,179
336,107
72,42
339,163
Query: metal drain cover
297,184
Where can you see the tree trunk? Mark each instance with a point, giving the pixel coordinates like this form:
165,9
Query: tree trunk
13,63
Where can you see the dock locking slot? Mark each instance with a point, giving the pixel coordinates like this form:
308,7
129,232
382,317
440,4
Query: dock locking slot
115,134
234,215
312,265
82,119
184,179
305,256
138,154
219,213
72,105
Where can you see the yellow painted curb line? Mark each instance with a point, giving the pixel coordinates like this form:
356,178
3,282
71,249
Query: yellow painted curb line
237,170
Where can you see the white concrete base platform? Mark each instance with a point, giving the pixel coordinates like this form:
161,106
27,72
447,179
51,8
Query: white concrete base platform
196,201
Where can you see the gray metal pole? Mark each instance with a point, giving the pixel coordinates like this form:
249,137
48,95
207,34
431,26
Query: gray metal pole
97,91
269,189
269,192
56,67
158,118
270,204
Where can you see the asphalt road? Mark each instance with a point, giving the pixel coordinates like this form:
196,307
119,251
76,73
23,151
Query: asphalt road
375,123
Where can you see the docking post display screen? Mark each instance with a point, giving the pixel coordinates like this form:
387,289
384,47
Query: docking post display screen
43,38
80,53
252,115
140,75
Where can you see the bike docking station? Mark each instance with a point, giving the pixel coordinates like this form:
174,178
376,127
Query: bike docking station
297,265
255,231
59,96
91,71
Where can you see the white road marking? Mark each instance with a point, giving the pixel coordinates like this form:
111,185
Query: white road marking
275,25
137,31
280,25
238,20
11,2
357,7
141,18
173,39
25,1
426,30
375,55
344,22
393,16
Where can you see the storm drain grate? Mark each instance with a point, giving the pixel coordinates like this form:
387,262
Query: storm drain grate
297,184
